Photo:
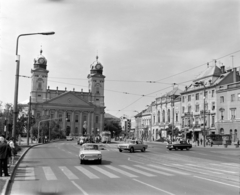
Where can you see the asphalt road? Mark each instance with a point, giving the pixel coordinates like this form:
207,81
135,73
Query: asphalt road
55,169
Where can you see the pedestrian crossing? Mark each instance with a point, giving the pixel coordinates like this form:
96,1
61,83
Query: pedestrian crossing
114,172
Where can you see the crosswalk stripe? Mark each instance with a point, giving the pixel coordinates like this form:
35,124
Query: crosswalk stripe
87,173
29,173
168,169
68,173
120,171
154,170
104,172
49,173
138,171
195,169
212,169
231,164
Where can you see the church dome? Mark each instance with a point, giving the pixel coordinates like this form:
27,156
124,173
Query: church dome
96,65
41,60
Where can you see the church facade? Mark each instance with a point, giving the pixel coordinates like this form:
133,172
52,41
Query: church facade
76,112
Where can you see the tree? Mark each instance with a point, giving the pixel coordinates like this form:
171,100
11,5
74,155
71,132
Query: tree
113,126
175,130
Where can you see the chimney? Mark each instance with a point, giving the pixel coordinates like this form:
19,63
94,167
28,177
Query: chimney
65,88
214,62
73,89
234,75
223,69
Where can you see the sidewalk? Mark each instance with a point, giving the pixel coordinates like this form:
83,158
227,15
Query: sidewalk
4,181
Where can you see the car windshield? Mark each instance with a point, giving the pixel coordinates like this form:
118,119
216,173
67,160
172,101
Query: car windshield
90,147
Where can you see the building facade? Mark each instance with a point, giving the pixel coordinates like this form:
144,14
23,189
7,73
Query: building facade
77,112
228,110
199,101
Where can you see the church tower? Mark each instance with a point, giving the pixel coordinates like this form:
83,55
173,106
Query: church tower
96,83
39,79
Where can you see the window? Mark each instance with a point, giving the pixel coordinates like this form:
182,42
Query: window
38,115
39,85
213,105
76,118
197,108
189,108
232,97
183,109
60,117
97,119
222,99
168,115
233,113
176,117
52,115
163,116
189,98
197,96
212,93
206,94
182,98
213,121
159,116
206,106
222,116
39,95
154,119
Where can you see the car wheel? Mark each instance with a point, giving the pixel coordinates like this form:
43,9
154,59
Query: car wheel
81,162
143,150
176,148
131,150
120,150
181,148
187,148
170,148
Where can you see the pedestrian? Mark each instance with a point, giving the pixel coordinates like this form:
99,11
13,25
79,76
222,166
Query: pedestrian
211,143
198,142
201,141
13,151
5,153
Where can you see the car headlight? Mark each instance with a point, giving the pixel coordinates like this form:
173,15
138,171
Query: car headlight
99,156
82,155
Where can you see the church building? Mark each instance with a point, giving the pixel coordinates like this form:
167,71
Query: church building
76,112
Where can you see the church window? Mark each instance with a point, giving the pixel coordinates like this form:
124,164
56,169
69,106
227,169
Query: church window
96,119
39,85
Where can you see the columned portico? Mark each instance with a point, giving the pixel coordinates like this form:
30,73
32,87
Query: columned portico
80,123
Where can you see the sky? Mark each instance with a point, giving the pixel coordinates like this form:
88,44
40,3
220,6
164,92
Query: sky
137,41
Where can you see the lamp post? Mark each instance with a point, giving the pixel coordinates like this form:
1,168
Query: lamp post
204,88
15,110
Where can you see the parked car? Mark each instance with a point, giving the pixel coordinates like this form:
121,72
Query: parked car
69,138
179,145
133,145
90,152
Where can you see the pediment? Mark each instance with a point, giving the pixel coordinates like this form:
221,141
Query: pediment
68,99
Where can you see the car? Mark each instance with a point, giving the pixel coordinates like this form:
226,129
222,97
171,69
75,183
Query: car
179,145
69,138
132,146
90,152
81,140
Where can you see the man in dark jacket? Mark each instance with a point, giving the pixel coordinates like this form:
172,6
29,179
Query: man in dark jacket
5,153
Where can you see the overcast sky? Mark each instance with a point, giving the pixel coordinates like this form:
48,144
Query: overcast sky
136,41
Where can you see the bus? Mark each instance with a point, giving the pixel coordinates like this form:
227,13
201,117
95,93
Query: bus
216,138
105,136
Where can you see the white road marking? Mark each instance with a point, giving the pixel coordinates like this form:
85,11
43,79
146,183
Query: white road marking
138,171
232,164
168,169
217,181
154,187
68,173
213,169
120,171
29,173
85,193
135,161
49,173
154,170
87,173
104,172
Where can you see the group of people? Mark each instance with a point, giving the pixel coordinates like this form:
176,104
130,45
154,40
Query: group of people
7,154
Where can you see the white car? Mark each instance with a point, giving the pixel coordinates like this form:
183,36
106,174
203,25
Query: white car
69,138
90,152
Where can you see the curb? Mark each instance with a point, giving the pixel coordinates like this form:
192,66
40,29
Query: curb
9,181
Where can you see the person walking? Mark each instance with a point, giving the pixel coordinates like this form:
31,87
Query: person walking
5,153
201,141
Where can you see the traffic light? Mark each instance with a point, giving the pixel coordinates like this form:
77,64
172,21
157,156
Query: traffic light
128,124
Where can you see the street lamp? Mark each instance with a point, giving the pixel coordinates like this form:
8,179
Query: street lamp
15,110
204,88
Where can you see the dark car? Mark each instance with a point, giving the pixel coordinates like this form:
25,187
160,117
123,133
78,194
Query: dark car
179,145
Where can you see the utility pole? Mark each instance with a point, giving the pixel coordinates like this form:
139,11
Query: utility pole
29,119
172,112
